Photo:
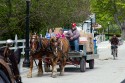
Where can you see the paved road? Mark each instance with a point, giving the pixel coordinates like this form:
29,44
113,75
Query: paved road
106,70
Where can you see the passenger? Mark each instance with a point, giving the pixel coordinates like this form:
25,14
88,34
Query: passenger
60,34
73,36
50,34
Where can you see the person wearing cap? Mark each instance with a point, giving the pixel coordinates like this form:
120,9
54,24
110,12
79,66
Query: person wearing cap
73,36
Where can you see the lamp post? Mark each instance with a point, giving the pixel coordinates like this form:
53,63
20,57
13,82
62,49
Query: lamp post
26,62
93,20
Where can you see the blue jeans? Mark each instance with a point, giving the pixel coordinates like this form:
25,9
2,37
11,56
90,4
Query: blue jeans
76,44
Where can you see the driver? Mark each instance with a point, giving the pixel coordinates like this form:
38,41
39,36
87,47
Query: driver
73,36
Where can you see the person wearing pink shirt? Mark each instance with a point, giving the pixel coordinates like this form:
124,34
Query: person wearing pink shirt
60,34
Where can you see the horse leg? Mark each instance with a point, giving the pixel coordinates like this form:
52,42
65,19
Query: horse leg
62,66
40,69
15,68
54,69
29,75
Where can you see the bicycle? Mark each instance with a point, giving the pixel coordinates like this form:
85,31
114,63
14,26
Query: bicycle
114,51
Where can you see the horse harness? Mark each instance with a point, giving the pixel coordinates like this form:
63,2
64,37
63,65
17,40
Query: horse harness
58,48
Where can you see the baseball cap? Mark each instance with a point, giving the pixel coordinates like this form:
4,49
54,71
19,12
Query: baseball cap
73,24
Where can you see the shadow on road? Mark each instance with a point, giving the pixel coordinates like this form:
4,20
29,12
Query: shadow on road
77,69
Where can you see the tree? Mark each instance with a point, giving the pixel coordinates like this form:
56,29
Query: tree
11,13
43,14
110,11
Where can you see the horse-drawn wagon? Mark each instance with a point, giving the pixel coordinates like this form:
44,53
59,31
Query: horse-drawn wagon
86,54
58,51
82,57
87,51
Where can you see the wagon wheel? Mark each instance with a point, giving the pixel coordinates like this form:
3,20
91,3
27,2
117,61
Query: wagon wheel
82,65
91,64
3,77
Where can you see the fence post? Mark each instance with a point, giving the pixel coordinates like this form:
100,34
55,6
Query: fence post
16,47
16,43
23,51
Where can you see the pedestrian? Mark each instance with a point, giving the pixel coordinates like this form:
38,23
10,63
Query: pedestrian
73,36
50,33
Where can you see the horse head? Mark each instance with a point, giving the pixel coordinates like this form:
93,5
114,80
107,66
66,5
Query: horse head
54,44
34,43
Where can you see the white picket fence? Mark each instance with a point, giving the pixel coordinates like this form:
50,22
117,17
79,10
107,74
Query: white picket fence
16,42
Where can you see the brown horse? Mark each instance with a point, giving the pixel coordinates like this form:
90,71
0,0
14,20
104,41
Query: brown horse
35,53
10,58
39,49
60,48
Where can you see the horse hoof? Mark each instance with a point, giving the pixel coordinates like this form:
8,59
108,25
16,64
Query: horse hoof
29,76
40,74
61,74
54,76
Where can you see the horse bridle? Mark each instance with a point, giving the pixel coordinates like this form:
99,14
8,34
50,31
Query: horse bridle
55,46
38,43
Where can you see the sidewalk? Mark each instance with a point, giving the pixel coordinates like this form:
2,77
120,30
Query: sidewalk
104,44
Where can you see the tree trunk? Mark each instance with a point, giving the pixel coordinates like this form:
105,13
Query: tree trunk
123,33
121,25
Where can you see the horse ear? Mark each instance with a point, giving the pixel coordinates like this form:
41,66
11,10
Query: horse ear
51,40
30,35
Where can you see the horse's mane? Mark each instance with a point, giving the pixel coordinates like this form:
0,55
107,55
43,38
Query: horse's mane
45,42
2,50
65,43
53,39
